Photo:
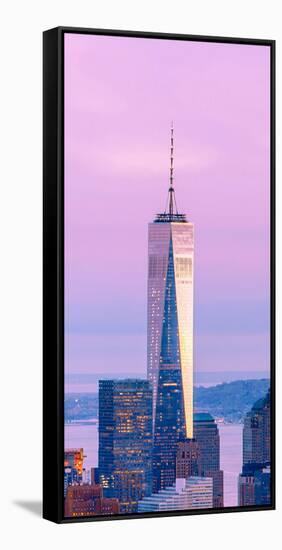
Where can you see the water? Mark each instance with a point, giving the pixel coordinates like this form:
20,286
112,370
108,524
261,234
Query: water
230,460
86,436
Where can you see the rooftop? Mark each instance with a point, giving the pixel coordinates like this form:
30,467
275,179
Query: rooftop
203,417
168,218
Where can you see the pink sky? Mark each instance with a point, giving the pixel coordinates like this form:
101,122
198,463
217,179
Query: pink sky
120,97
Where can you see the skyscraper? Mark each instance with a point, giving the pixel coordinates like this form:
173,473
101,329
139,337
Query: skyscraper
207,436
125,440
256,433
170,333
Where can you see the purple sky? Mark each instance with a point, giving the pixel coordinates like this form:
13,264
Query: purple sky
120,97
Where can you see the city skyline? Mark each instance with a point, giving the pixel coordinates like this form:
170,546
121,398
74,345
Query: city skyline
203,287
120,173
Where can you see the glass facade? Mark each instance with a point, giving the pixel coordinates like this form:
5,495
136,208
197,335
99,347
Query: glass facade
159,239
170,340
183,254
171,242
169,419
125,441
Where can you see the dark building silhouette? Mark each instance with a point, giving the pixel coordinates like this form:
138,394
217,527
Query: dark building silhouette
263,486
256,433
95,478
206,435
125,440
88,500
254,483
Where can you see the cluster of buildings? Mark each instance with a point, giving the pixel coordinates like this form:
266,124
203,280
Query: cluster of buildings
254,486
132,470
126,475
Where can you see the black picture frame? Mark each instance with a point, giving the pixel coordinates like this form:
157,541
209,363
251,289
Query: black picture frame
53,268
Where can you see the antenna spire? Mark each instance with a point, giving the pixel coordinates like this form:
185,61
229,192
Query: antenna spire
171,189
170,213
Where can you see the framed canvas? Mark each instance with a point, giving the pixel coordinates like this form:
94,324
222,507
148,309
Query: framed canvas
159,336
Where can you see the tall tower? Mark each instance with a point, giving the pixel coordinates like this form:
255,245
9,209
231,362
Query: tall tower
170,332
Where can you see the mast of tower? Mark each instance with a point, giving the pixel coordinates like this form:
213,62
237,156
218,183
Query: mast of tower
171,190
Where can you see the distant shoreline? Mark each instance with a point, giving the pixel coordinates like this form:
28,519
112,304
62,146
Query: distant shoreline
227,402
